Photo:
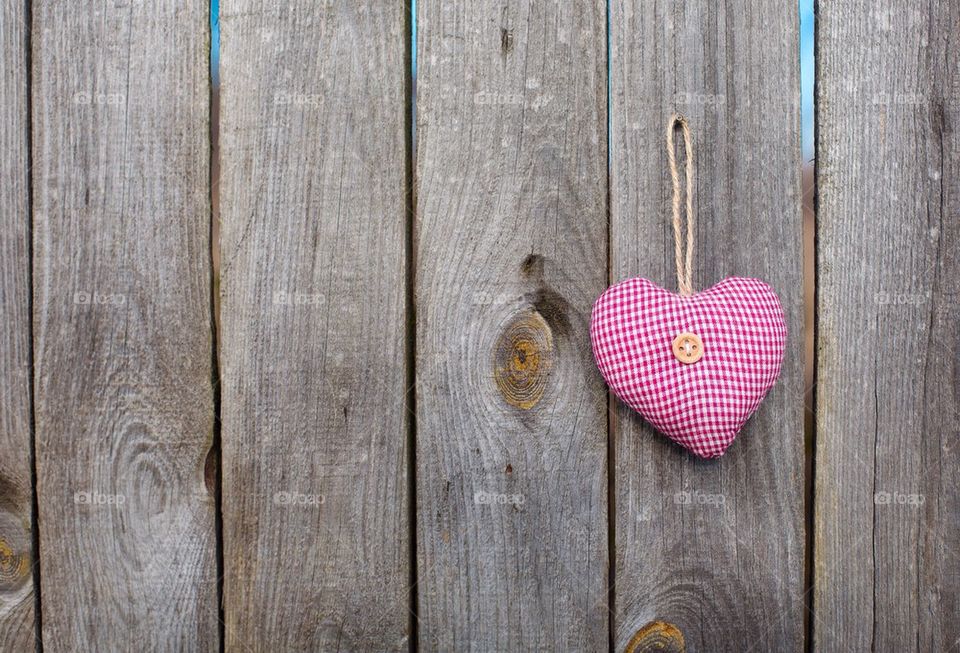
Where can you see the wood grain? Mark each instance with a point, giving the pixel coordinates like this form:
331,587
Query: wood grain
887,518
716,547
313,285
511,253
123,352
16,544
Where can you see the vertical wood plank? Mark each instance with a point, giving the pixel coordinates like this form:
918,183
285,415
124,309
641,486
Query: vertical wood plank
313,285
714,547
511,254
887,518
16,543
124,408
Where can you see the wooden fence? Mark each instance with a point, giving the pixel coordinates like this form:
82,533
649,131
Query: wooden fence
302,427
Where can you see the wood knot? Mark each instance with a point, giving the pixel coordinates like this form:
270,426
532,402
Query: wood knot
522,359
506,40
657,636
14,566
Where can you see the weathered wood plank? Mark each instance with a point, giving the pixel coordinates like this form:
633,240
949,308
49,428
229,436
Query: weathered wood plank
124,398
887,514
511,253
316,533
16,543
716,548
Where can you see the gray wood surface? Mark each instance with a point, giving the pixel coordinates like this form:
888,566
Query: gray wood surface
714,547
887,512
313,290
516,437
511,253
16,552
124,399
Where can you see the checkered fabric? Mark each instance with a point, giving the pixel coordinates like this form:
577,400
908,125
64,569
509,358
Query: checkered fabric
703,405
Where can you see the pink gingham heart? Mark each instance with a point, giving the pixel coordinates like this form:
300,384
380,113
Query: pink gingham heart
701,405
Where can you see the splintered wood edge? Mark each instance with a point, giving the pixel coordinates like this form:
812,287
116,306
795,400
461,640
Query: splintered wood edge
657,636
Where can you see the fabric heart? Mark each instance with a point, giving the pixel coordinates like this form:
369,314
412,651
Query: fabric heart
699,391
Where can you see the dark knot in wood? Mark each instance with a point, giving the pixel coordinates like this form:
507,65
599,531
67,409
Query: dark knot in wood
522,360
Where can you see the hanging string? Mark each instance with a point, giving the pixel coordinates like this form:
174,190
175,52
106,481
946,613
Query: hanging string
684,264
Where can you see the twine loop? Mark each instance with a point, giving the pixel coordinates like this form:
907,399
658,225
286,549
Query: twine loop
684,263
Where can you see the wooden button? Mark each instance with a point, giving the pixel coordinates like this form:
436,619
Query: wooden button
688,348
